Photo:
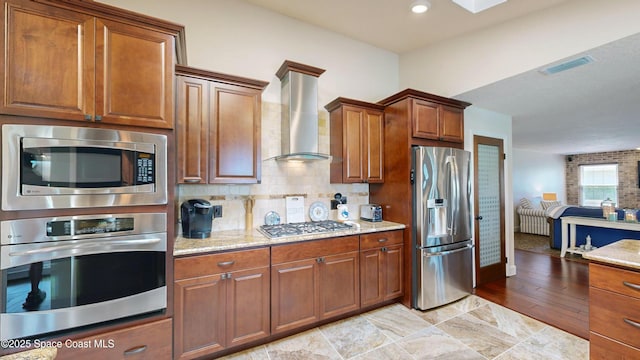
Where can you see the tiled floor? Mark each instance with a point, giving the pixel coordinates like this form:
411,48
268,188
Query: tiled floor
471,328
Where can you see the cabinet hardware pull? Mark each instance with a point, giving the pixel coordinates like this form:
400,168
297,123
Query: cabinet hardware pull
631,285
383,240
135,350
229,275
384,249
226,263
87,117
98,118
320,260
632,323
223,276
192,180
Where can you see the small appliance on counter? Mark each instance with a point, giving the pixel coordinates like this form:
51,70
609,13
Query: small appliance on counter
371,212
197,216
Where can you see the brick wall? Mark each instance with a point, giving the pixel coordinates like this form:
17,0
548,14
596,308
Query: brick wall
628,191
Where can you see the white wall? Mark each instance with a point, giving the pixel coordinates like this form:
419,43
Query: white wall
535,173
483,57
482,122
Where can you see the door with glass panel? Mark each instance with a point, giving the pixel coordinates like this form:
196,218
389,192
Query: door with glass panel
490,259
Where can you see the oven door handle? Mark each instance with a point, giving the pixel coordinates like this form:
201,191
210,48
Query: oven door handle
86,245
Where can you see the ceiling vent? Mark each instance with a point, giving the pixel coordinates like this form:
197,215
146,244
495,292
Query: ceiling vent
567,65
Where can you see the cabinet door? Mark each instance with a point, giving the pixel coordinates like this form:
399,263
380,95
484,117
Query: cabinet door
134,75
339,284
353,143
192,129
48,65
374,146
451,124
248,306
294,295
424,121
199,316
234,149
371,277
392,265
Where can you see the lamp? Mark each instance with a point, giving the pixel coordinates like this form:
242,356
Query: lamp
475,6
420,6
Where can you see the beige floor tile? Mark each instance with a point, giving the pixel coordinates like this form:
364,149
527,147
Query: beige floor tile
308,345
433,343
396,321
354,336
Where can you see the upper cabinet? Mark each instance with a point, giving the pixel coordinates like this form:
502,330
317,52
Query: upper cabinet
84,61
218,127
357,141
429,116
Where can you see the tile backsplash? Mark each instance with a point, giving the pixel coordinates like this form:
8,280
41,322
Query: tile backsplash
245,206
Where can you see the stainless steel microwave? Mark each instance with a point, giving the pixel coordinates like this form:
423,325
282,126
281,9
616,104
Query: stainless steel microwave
45,167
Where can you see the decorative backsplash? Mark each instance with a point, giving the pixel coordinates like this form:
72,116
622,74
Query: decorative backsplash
279,179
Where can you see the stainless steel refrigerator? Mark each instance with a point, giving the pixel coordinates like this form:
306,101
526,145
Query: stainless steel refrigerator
442,238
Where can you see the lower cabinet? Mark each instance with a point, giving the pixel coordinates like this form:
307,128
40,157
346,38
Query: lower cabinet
220,300
380,267
614,313
314,280
146,341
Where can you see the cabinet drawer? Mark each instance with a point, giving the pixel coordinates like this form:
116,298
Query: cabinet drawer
146,341
202,265
602,348
613,279
610,314
380,239
313,249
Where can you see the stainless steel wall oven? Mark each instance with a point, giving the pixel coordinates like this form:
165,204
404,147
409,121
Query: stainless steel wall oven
59,167
60,273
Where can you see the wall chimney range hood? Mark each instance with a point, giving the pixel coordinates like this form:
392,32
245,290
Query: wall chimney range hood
299,96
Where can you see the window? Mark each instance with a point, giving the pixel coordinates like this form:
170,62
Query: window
597,183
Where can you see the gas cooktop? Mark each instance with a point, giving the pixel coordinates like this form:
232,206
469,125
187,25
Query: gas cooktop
303,228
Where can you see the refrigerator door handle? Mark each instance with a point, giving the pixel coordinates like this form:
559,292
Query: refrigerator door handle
441,253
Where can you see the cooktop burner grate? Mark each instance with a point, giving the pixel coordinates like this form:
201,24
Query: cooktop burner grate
311,227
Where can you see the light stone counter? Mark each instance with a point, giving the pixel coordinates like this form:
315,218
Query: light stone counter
624,252
35,354
238,239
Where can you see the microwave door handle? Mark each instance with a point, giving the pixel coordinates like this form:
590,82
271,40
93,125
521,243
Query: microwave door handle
75,247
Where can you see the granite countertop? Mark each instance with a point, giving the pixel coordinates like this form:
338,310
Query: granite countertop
624,252
35,354
238,239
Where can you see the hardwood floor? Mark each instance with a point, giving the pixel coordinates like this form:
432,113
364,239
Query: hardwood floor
547,288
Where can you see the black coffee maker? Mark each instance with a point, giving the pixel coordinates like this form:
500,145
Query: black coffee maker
197,215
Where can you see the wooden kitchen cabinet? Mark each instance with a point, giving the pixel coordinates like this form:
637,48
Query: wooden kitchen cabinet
356,141
312,281
146,341
381,267
614,312
220,301
430,117
218,127
87,62
437,122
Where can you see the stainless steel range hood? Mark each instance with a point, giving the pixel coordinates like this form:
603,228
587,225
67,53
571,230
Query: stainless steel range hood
299,96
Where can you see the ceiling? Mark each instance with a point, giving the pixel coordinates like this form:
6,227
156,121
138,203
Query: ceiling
583,110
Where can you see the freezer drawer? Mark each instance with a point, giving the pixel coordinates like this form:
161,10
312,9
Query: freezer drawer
443,274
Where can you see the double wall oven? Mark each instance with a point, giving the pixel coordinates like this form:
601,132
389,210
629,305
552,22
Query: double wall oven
67,269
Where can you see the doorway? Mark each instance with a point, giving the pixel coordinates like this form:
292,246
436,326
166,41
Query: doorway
489,208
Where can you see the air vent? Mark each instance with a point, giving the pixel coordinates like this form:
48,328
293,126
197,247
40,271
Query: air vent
567,65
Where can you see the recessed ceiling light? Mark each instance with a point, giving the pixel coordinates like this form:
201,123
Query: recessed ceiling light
420,6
